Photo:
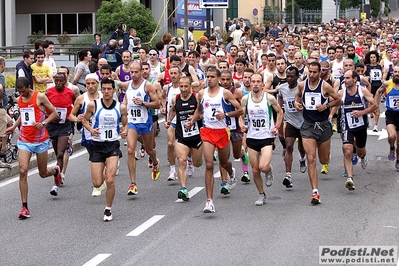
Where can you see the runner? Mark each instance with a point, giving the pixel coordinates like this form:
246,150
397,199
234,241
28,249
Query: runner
105,113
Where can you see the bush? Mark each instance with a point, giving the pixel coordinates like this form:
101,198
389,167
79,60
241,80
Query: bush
10,81
35,36
133,14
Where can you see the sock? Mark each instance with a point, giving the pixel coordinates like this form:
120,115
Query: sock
302,158
56,172
189,159
288,174
172,168
392,147
315,190
244,166
25,204
133,183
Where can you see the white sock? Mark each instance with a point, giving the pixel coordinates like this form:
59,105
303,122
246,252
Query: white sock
315,190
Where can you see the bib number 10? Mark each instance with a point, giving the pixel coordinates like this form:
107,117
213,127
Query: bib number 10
108,134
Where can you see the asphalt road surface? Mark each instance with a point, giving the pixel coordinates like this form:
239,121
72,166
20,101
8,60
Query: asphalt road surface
153,228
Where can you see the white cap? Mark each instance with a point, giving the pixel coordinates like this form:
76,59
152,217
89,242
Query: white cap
220,53
92,76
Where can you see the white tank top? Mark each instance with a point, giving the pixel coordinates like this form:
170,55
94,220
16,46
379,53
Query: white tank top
209,106
137,114
155,71
170,94
86,135
267,73
107,121
260,118
335,69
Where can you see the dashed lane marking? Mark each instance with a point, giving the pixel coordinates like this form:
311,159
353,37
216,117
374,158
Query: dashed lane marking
97,260
144,226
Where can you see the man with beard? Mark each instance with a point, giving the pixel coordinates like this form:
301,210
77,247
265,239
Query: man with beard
350,51
232,55
313,99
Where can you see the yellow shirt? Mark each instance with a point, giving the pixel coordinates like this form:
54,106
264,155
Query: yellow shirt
43,72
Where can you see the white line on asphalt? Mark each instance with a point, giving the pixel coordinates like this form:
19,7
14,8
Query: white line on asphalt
97,260
217,174
192,192
35,170
144,226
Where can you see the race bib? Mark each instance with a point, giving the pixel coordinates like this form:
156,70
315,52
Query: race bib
289,105
62,113
375,74
28,116
393,102
192,131
312,99
354,122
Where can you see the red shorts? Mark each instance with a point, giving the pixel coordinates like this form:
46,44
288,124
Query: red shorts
219,137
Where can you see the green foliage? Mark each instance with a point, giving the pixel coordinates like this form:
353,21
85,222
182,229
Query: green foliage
376,6
35,36
84,39
288,10
133,14
306,4
63,38
10,81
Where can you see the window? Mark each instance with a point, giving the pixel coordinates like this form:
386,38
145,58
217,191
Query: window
55,24
38,23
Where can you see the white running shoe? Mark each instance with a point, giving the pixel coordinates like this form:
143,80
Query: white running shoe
63,179
190,169
261,200
269,177
209,207
54,191
364,162
172,176
232,180
97,191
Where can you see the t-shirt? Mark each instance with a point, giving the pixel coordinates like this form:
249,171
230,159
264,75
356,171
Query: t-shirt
5,99
43,72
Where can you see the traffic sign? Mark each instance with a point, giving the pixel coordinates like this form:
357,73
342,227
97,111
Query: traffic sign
214,4
255,12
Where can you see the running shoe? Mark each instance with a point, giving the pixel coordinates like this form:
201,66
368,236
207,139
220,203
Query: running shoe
375,128
344,174
287,181
397,166
172,175
132,190
96,192
334,128
315,199
224,188
391,155
261,200
136,155
244,158
63,179
183,194
232,179
57,176
209,207
190,169
142,151
156,172
324,169
25,213
245,177
303,166
355,159
108,216
117,167
215,156
149,162
269,177
349,184
364,162
158,130
54,191
69,149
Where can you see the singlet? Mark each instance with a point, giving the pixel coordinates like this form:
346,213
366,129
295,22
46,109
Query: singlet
186,71
209,107
107,120
351,103
232,121
170,94
392,97
31,114
238,79
375,74
137,114
184,109
62,101
155,70
260,118
311,98
123,76
267,73
291,114
335,68
276,81
166,78
86,135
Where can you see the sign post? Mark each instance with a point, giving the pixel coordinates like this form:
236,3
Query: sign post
214,3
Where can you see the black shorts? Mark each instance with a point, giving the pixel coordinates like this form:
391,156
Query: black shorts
154,118
196,144
348,137
100,151
292,132
258,144
392,117
59,130
73,128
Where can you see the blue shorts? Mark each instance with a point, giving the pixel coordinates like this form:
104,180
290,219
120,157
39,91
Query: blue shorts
34,147
86,143
142,128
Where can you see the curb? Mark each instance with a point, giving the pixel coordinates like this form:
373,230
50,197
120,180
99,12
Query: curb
7,173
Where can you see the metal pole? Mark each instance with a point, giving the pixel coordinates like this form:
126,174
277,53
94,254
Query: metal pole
185,25
208,21
293,14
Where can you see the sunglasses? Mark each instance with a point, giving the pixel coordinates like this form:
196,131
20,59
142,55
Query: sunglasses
153,54
324,69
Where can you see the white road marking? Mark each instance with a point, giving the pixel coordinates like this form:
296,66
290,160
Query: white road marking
192,192
217,174
144,226
237,160
97,260
35,170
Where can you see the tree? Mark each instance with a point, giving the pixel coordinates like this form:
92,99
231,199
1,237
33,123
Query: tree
133,14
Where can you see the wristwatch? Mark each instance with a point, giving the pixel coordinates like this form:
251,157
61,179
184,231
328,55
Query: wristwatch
226,114
327,105
44,123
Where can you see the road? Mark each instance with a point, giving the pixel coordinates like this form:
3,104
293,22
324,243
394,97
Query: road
153,229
